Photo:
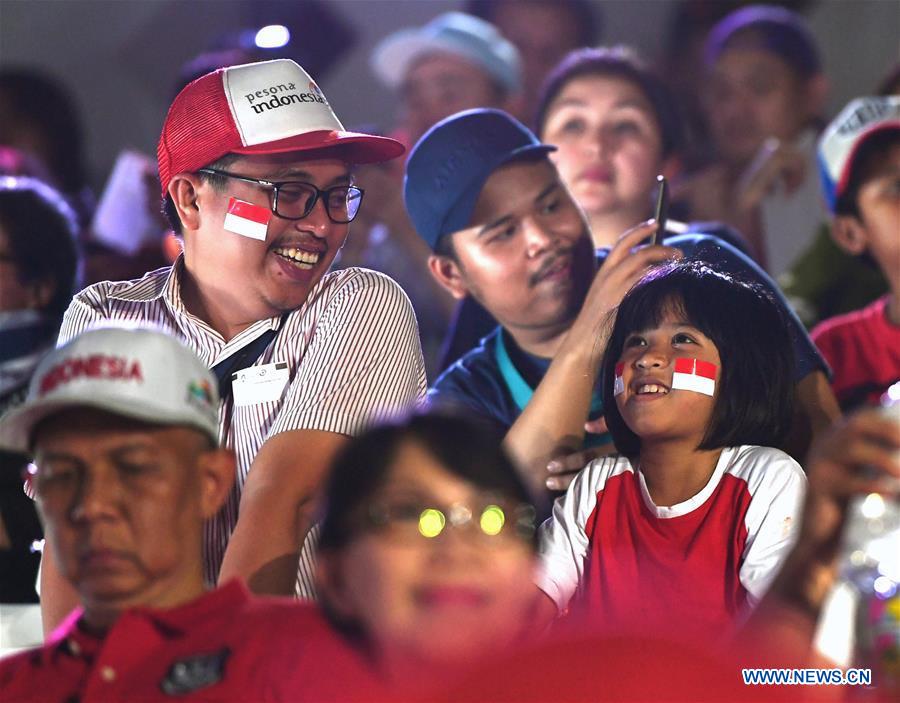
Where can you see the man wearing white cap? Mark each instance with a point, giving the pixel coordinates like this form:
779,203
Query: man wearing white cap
453,63
123,426
256,173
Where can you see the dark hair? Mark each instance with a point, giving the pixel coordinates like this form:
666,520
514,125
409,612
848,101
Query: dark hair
217,182
776,30
616,62
869,156
41,230
465,448
753,404
444,247
890,83
44,104
585,15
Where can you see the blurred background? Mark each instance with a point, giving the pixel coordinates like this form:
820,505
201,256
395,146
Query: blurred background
121,58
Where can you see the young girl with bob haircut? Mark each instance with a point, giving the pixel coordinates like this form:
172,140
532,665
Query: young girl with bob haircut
687,525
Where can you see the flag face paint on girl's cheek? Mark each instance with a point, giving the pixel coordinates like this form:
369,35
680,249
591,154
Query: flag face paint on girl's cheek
694,375
247,219
619,386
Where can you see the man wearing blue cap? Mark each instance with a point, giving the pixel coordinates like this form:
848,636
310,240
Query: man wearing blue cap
504,229
529,261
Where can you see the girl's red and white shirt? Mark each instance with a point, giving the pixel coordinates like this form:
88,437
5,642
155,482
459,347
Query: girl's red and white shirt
610,555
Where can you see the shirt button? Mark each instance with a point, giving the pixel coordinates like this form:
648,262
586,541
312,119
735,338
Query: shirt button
74,647
108,674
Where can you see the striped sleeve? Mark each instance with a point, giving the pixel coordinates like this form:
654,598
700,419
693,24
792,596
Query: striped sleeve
564,543
86,309
364,362
777,485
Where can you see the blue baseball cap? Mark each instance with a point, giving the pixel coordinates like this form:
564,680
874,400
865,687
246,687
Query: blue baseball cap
450,164
457,33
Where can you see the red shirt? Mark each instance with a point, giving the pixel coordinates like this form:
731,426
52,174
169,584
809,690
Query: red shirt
863,350
611,555
223,646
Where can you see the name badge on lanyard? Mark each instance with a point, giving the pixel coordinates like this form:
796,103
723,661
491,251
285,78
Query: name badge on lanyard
259,384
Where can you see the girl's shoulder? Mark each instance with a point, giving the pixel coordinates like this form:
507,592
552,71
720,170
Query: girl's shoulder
600,470
764,467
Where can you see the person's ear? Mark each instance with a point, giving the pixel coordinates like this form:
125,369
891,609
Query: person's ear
447,272
183,189
849,234
216,468
331,585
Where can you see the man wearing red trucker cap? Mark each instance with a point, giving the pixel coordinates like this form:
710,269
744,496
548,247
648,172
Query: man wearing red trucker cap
256,174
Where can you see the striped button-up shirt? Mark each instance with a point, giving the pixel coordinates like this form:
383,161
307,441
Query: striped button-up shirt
352,351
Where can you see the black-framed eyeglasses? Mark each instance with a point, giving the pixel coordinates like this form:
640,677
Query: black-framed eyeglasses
294,200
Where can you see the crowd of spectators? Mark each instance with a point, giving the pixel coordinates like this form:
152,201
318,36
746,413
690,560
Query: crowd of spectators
529,431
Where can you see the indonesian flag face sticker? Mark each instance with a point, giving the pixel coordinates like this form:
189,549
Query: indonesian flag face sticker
619,385
694,375
247,219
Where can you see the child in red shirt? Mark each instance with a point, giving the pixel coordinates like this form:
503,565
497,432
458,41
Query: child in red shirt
686,527
860,158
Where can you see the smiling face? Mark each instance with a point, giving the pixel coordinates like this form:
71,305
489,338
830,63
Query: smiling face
434,600
527,258
260,279
609,144
123,505
651,408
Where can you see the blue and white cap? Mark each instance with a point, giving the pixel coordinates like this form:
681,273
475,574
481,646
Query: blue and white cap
455,33
842,139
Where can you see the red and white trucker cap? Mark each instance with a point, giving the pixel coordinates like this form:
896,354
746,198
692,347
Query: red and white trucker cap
140,374
270,107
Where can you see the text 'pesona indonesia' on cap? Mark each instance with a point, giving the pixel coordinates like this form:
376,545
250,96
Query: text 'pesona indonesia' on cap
449,165
269,107
140,374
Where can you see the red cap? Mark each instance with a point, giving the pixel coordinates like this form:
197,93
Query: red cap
268,107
